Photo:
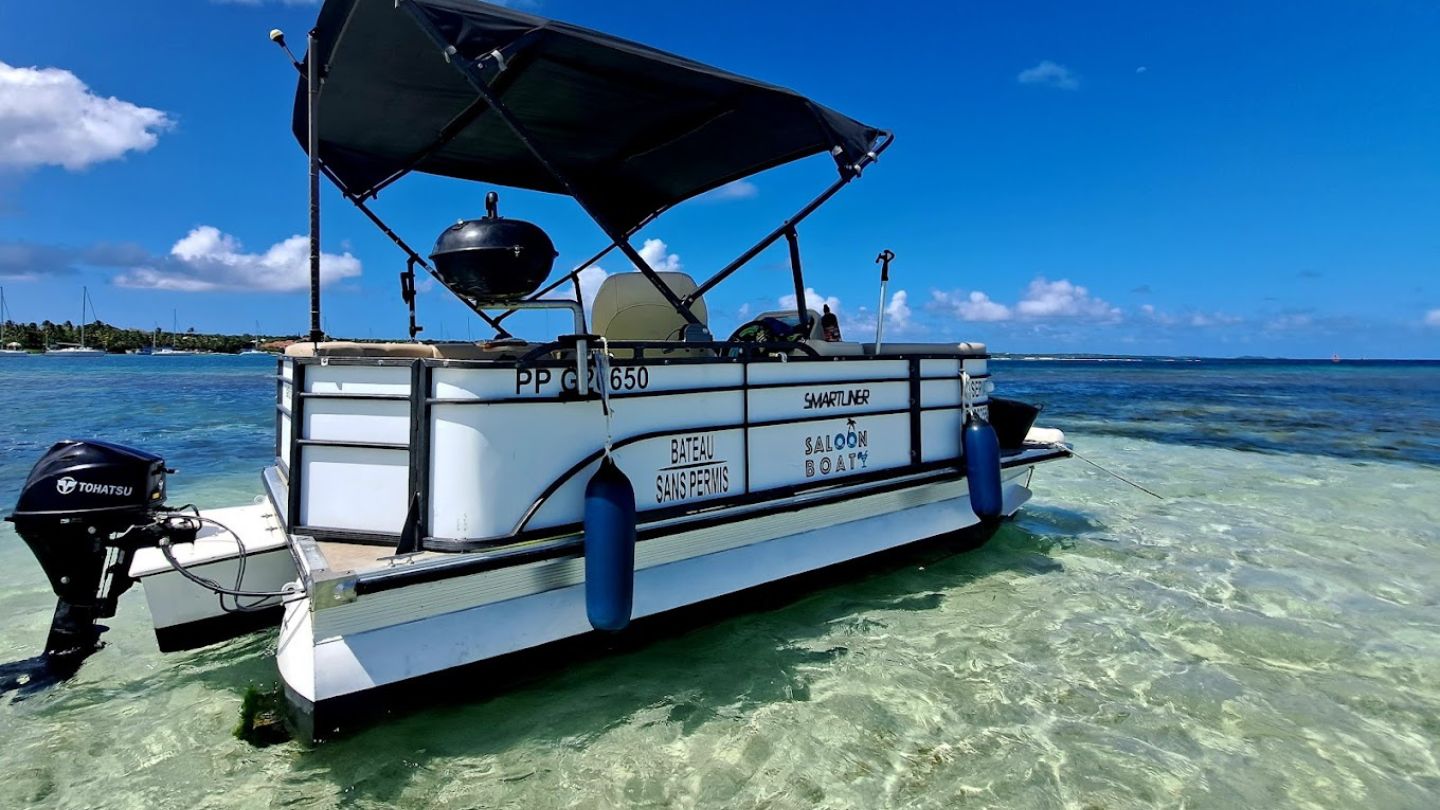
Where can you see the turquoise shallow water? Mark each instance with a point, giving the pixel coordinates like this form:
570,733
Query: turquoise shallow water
1268,635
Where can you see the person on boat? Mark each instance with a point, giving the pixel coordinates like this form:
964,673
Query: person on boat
830,325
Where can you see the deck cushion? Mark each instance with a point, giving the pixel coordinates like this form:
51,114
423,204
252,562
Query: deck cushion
347,348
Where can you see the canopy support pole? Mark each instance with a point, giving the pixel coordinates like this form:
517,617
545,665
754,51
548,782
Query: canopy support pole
312,138
801,308
850,173
447,134
574,275
459,123
414,258
477,81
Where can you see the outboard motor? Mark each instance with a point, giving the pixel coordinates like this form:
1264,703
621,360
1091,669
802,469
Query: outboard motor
85,509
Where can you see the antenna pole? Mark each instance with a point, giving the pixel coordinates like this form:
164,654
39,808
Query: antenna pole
312,83
884,261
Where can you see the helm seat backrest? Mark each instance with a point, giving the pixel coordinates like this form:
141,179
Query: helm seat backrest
628,307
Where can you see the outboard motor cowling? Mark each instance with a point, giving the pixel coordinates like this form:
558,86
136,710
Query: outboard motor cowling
85,508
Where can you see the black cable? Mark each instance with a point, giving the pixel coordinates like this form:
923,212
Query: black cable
236,592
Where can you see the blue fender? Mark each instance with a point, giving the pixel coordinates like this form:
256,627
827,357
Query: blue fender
982,468
609,548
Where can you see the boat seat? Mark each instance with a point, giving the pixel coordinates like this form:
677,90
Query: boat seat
628,307
484,350
956,349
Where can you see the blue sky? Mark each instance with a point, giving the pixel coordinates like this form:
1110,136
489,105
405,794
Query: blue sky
1217,179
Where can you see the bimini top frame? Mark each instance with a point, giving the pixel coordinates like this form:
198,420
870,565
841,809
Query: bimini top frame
469,90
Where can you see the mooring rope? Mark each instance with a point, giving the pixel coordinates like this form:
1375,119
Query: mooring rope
604,385
1110,473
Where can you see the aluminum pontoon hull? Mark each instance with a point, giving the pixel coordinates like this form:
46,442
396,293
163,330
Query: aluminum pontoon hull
343,664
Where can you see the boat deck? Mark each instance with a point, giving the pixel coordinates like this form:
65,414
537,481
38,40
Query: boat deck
361,558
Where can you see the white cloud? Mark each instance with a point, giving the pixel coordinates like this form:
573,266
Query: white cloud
1292,321
207,260
897,312
1213,319
1432,318
658,256
590,280
1158,316
1043,300
1049,74
1196,319
860,324
976,306
1062,299
737,190
49,117
813,300
654,252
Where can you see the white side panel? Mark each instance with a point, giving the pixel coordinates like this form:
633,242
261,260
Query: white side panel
684,468
346,379
940,392
476,450
465,383
975,366
940,368
353,488
285,440
832,370
824,399
829,449
366,420
941,432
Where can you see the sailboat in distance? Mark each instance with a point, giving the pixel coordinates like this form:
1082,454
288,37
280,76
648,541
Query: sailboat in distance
171,351
11,349
81,350
255,344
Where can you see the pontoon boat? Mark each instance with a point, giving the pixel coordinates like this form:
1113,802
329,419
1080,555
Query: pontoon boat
432,506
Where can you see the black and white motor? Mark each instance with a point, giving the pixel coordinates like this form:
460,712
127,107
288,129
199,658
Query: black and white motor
84,511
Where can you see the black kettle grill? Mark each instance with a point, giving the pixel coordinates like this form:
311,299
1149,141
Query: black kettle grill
493,259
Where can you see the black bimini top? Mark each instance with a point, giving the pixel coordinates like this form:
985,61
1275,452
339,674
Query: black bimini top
637,129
